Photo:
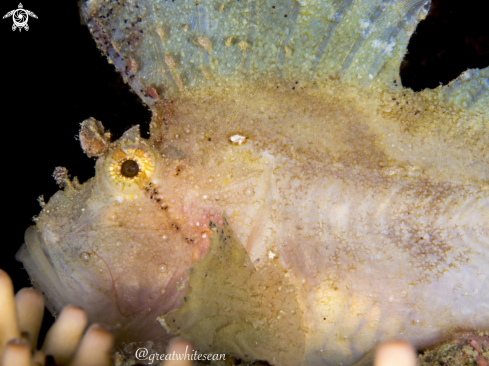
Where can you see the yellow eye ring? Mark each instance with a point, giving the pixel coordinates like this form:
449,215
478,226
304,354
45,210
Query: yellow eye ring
130,168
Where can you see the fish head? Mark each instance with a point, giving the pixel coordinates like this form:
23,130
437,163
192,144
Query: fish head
120,244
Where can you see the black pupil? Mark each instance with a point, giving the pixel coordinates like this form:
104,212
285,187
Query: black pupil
129,168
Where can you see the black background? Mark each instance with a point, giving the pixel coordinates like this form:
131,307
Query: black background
54,77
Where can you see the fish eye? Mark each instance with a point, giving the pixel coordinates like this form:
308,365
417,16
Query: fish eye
129,168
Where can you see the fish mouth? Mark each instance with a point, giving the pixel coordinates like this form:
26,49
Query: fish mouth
36,260
130,309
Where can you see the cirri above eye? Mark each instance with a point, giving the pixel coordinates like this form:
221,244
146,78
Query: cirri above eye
129,169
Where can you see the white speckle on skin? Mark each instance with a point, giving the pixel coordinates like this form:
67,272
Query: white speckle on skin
249,191
237,139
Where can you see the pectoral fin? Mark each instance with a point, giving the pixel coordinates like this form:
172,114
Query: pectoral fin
232,307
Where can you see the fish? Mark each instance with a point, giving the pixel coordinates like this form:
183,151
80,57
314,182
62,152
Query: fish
293,203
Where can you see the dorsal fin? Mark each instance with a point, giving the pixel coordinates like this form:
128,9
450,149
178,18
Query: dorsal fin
166,47
470,92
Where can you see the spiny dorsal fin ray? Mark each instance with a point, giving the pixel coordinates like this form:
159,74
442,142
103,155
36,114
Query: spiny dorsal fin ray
167,47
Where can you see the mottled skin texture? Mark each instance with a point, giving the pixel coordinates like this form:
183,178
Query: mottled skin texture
371,203
376,248
364,236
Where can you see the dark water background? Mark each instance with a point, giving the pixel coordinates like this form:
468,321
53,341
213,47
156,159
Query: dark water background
54,77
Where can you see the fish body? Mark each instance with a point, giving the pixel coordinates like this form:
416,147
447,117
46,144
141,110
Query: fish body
298,208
